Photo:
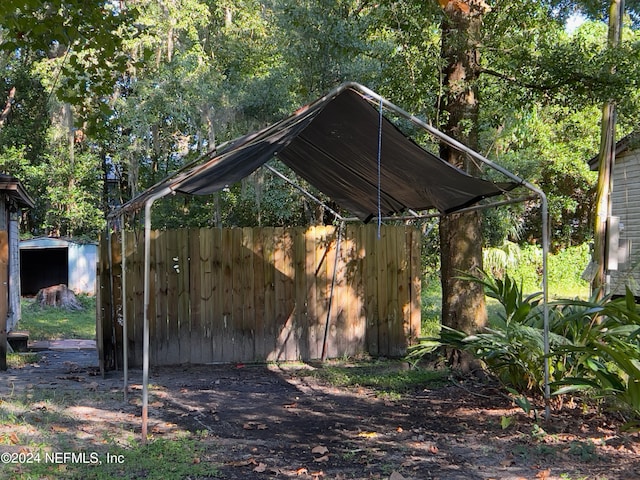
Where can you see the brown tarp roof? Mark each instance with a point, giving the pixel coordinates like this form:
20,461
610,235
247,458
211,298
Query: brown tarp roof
333,144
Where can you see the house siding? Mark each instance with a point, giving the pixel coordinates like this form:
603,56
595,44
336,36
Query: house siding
15,311
625,204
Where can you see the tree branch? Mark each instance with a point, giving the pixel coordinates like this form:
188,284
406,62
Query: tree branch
7,107
542,87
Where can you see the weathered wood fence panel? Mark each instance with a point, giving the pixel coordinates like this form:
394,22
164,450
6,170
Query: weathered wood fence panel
262,294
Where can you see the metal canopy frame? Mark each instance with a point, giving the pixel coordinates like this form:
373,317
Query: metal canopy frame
158,191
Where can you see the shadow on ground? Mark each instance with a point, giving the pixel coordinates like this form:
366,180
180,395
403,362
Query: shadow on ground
268,421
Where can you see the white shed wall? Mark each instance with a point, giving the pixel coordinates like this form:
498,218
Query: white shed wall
625,203
83,261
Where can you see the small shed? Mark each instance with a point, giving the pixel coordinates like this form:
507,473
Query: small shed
13,198
623,227
50,261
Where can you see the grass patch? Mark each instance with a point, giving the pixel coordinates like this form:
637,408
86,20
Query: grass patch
47,441
51,323
386,378
19,360
183,457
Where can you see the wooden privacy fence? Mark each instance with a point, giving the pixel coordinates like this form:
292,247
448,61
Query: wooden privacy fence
261,294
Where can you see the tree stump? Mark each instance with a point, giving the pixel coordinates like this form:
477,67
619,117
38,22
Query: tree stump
58,296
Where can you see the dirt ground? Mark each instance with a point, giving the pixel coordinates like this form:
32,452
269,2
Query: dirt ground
263,422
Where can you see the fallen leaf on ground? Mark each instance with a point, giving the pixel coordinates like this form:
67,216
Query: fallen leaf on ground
320,450
433,449
317,475
324,458
302,471
13,438
262,467
544,474
368,434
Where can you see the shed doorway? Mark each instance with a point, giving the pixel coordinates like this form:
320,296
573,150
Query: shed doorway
41,268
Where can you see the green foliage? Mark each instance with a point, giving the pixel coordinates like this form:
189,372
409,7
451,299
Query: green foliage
565,268
82,39
157,460
603,356
384,377
594,345
26,127
50,323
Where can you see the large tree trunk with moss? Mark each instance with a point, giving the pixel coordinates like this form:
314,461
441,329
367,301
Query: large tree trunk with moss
463,302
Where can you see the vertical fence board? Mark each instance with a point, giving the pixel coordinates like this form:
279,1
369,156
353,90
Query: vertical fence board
269,294
281,328
353,257
320,272
103,341
258,260
291,351
248,311
399,284
331,327
311,343
172,354
371,288
137,285
217,297
161,320
226,354
236,292
130,248
153,330
206,293
300,290
184,296
382,292
245,320
195,289
116,291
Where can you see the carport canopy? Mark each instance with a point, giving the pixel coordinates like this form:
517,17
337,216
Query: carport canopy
342,145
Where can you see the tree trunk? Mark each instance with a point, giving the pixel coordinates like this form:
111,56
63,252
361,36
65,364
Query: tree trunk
606,160
58,296
463,303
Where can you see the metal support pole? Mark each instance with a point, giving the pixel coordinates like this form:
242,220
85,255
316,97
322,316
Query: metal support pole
545,301
125,338
145,339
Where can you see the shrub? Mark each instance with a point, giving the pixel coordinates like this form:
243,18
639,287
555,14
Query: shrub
594,344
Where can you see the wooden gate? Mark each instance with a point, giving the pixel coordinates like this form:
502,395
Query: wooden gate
262,294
